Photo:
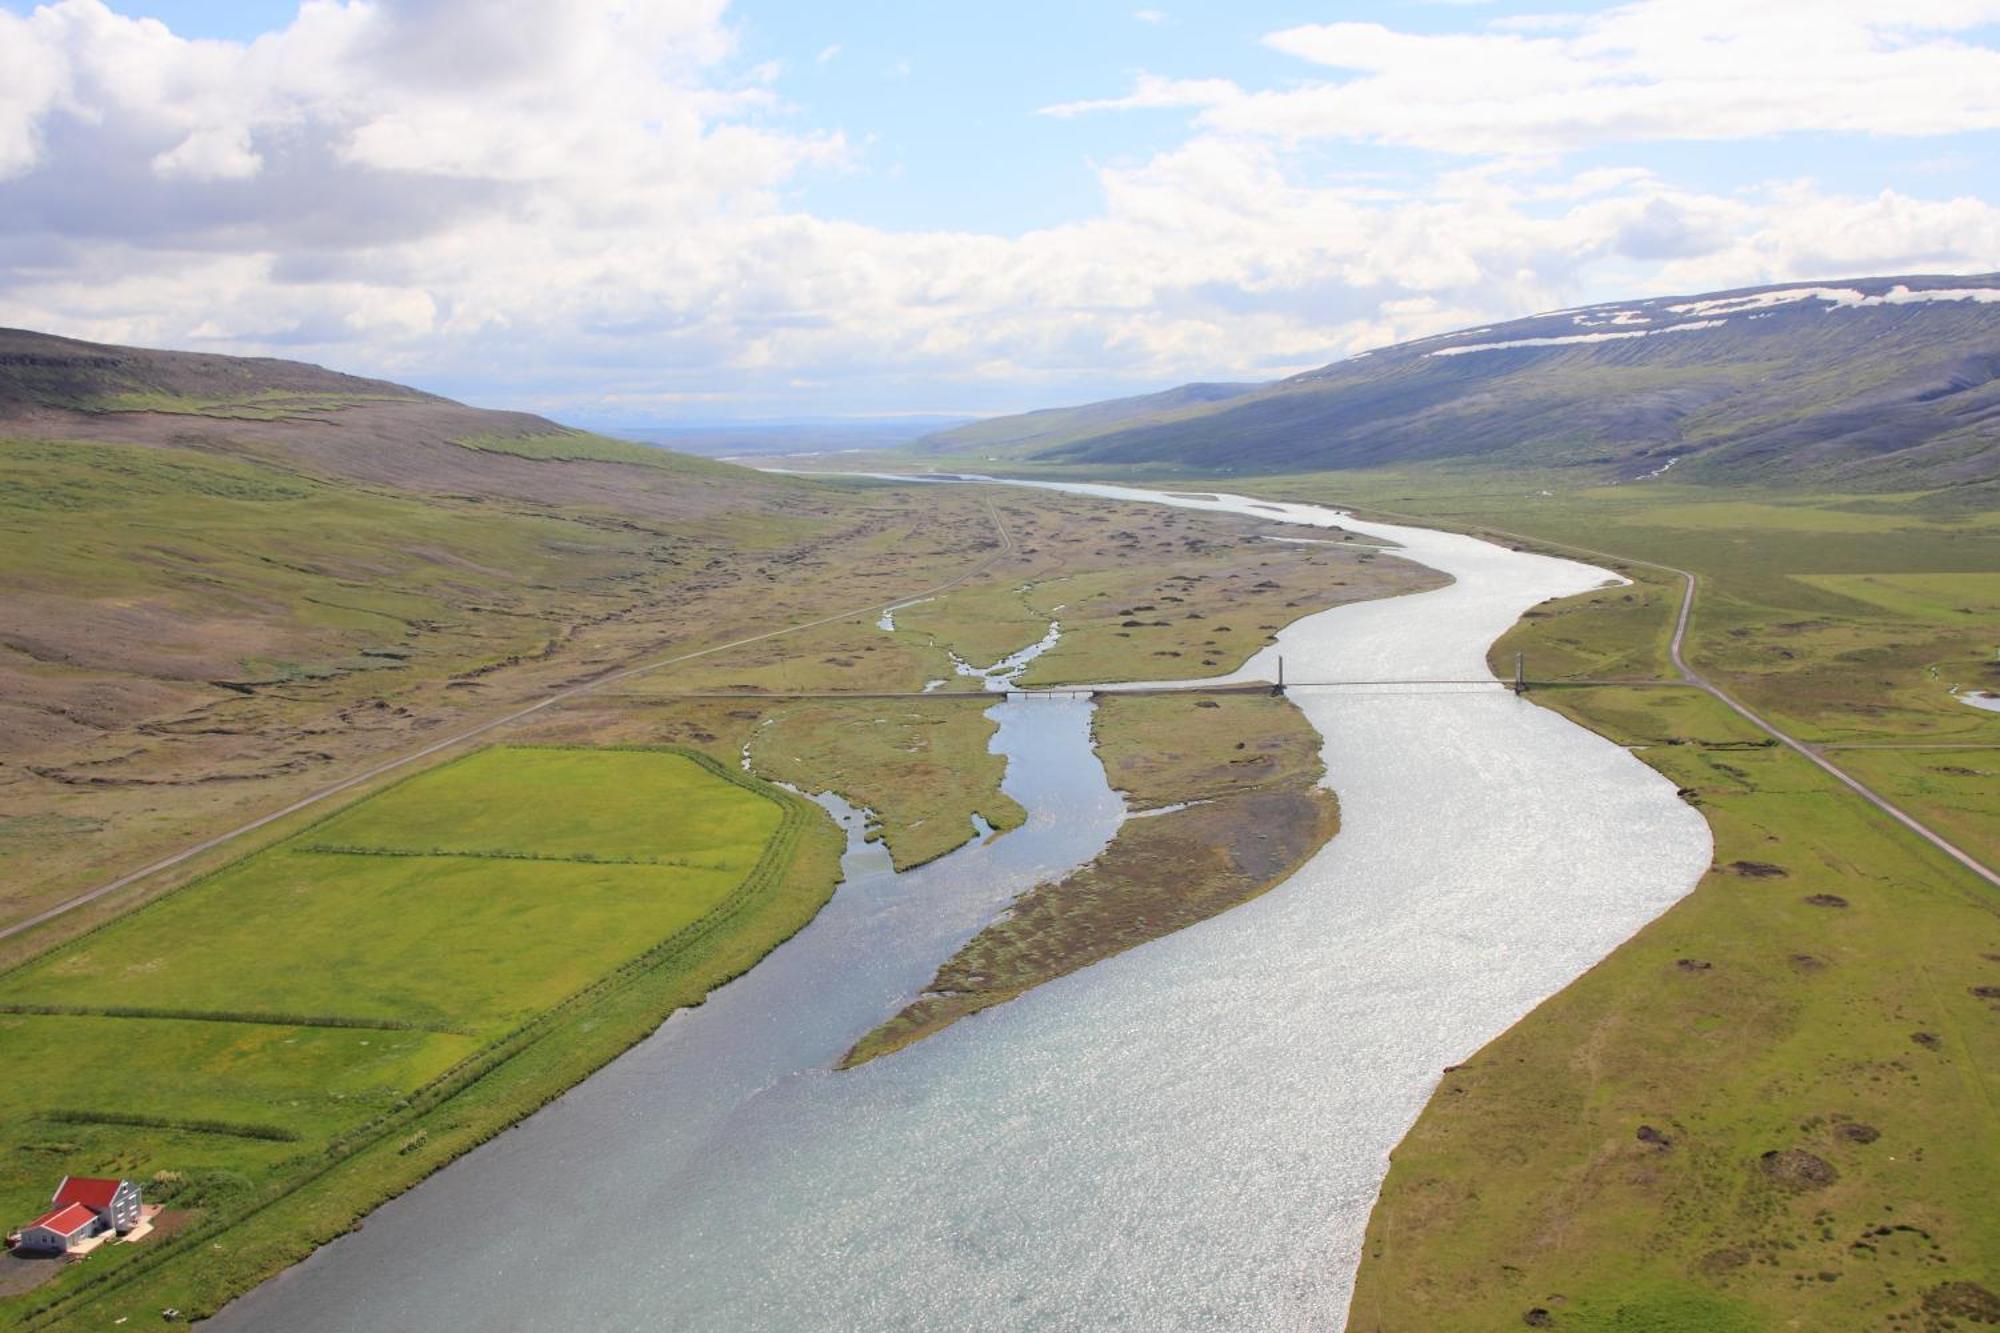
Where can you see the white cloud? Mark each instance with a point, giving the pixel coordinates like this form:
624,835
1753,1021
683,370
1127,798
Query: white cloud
827,52
211,154
564,205
1654,70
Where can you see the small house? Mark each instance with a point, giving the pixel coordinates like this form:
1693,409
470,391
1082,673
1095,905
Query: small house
84,1207
59,1230
116,1202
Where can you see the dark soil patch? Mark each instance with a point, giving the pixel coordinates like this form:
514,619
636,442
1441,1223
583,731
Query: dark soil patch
1854,1132
1717,1262
1805,962
1693,964
1928,1040
1756,869
1986,992
1798,1170
171,1220
1647,1134
1967,1300
1539,1318
1827,900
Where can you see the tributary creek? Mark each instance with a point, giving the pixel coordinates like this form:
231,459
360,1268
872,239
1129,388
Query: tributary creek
1187,1136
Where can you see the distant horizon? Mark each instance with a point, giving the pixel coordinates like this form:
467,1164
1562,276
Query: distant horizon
922,420
744,209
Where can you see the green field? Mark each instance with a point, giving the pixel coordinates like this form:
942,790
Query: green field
1819,993
584,446
1844,619
1199,609
399,958
1777,1106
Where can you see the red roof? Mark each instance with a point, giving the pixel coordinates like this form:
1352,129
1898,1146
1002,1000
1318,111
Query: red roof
90,1191
65,1221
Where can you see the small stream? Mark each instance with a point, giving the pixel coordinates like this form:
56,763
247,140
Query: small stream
1187,1136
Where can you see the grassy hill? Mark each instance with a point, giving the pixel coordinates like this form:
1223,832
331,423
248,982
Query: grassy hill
226,581
1875,383
1053,427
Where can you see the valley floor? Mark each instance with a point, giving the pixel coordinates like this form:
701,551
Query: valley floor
1774,1107
407,1063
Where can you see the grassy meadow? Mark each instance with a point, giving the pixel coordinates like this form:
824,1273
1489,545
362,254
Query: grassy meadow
585,446
1844,618
1775,1106
338,1014
1198,608
139,578
1232,784
924,769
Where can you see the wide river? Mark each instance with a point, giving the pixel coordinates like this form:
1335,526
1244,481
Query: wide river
1187,1136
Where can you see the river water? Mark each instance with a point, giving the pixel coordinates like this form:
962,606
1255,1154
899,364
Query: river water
1187,1136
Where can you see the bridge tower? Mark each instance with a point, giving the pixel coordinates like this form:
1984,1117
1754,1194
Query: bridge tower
1279,688
1520,675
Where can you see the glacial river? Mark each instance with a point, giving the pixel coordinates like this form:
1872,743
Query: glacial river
1187,1136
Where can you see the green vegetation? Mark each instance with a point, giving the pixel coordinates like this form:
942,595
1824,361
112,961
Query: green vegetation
1958,790
1845,620
1163,750
137,576
1231,787
1776,1103
1774,1107
922,768
1202,593
189,638
582,446
1144,592
295,1012
265,405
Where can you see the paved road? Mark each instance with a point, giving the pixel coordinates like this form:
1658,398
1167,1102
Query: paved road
1696,679
472,733
1862,789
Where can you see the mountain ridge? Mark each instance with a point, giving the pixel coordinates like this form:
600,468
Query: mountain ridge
1877,382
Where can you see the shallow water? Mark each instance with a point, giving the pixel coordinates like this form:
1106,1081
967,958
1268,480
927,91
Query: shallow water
1187,1136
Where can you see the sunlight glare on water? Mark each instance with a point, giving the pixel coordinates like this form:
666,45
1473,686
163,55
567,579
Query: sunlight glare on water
1187,1136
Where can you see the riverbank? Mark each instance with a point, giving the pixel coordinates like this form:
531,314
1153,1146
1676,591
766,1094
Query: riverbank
1228,801
356,1126
1205,1118
1773,1105
1786,1110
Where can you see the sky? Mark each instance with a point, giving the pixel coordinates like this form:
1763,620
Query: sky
668,211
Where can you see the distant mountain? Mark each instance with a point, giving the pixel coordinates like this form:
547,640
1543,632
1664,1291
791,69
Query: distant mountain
1871,382
1055,426
44,370
305,416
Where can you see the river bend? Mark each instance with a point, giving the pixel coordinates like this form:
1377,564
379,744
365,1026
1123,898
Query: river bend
1187,1136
